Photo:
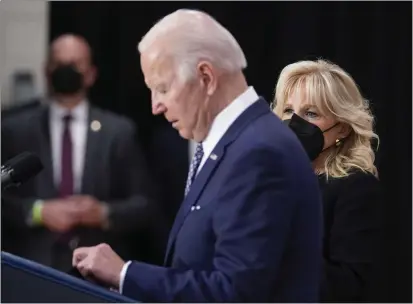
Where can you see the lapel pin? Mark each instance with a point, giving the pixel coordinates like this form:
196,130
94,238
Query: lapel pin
213,156
95,125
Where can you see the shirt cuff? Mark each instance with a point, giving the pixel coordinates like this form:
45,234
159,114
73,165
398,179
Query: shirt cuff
123,275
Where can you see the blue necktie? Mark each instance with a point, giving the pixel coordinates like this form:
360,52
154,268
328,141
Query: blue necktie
196,161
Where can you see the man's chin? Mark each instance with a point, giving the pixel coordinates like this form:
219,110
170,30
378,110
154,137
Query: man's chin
188,135
185,134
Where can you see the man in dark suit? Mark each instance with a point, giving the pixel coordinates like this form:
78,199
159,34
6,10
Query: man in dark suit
250,226
94,186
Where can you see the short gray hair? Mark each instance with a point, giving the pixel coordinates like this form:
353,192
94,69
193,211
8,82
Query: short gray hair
194,36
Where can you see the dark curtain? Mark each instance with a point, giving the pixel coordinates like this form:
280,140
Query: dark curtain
371,40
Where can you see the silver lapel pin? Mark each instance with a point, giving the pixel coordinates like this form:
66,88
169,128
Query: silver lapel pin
213,156
95,125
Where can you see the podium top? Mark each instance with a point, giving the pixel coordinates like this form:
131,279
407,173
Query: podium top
61,278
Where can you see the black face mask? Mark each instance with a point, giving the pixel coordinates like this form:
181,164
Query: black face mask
66,79
310,135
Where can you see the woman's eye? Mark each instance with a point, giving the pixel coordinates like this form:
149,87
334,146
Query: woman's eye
288,111
311,114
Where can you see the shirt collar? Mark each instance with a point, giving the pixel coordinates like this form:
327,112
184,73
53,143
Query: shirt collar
78,113
226,117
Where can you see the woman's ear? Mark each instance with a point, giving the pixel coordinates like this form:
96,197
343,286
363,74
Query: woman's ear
344,131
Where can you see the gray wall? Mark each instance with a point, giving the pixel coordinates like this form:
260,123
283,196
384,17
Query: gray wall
23,43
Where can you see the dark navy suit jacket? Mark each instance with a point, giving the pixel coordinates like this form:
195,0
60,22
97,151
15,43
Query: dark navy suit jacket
249,230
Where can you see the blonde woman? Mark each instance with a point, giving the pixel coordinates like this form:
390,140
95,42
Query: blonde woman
323,106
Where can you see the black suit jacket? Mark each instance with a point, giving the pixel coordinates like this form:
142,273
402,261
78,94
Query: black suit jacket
114,172
353,214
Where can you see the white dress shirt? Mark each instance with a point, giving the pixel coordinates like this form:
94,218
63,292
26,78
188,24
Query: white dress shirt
191,149
78,132
219,127
224,120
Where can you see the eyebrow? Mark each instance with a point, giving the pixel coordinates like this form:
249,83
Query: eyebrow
303,106
309,105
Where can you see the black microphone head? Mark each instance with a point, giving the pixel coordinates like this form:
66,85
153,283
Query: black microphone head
23,167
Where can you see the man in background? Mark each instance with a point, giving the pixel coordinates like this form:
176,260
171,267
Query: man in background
94,187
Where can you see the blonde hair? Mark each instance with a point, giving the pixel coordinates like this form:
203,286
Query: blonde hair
333,92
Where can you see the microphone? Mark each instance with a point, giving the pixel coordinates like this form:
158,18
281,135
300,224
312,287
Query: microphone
19,169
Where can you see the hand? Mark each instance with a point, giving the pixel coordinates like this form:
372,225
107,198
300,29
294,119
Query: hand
99,262
90,211
59,215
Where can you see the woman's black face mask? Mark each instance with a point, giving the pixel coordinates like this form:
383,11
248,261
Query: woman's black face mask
310,135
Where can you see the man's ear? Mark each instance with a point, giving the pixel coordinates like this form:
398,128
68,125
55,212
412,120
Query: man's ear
91,76
208,76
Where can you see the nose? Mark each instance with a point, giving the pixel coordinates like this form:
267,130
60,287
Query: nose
157,108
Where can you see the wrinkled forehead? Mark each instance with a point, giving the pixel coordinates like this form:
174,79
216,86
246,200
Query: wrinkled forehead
156,67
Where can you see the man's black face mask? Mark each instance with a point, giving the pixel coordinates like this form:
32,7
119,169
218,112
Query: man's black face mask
66,79
310,135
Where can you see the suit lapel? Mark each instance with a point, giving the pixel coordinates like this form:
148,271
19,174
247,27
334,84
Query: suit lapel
196,190
93,145
257,109
45,179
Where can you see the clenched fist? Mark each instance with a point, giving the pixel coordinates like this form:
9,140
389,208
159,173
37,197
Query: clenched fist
100,263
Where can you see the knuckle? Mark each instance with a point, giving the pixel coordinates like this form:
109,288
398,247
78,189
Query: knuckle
103,246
